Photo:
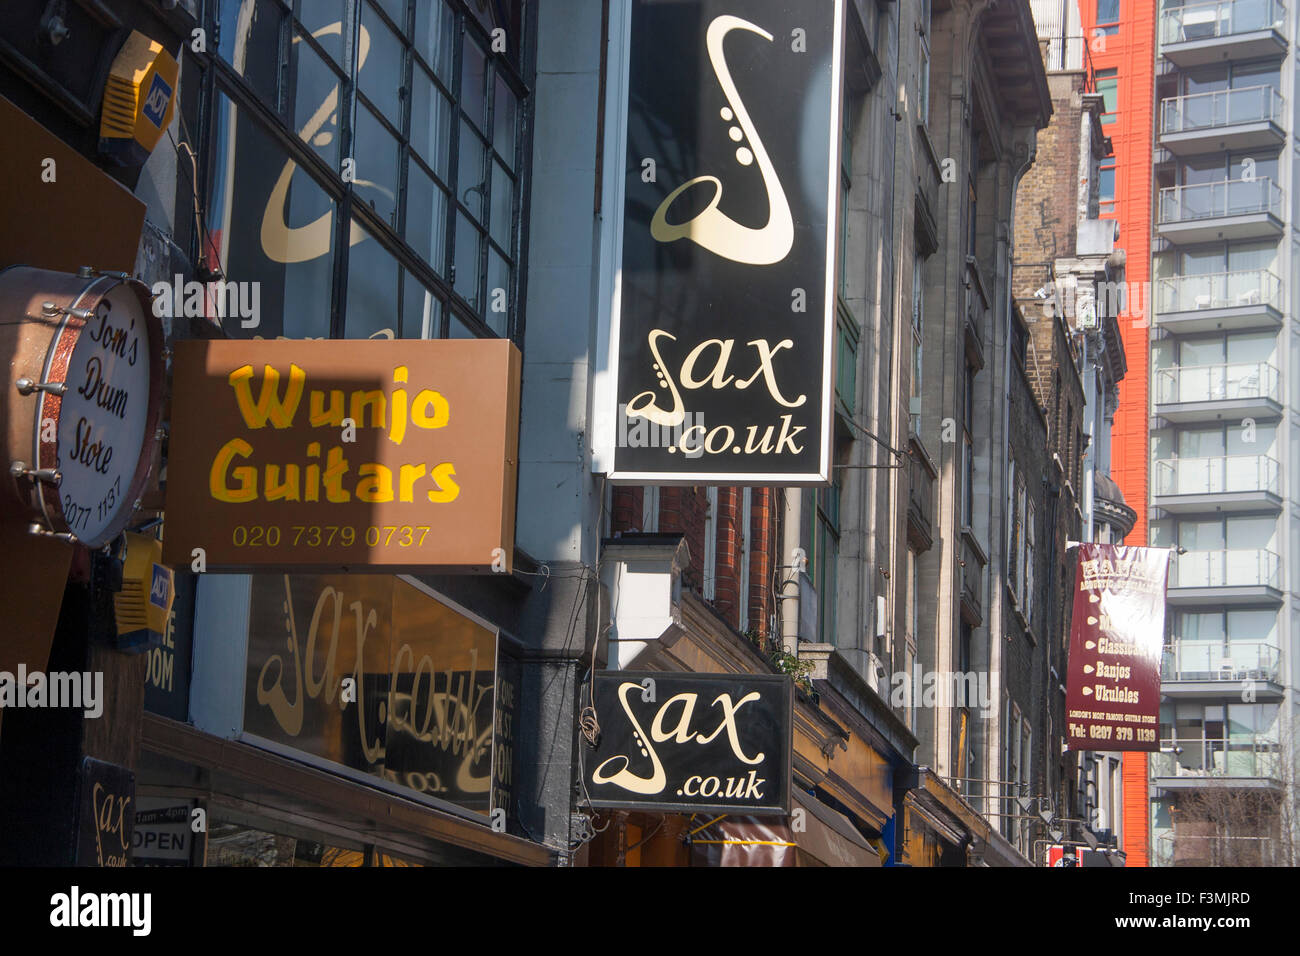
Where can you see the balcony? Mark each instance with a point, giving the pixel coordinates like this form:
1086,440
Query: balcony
977,310
1201,33
1252,760
1200,669
1227,483
1249,118
1223,578
1231,209
973,560
1220,301
920,497
1209,393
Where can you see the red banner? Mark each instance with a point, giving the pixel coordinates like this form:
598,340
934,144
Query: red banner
1116,640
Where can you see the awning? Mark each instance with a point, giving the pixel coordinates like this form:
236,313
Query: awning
826,838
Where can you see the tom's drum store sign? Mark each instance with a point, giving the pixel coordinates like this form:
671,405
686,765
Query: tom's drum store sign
80,418
1116,641
344,454
692,743
723,315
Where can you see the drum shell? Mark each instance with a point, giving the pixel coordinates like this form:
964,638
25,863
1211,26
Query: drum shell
39,343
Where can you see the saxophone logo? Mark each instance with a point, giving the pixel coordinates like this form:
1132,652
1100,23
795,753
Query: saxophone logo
289,244
711,228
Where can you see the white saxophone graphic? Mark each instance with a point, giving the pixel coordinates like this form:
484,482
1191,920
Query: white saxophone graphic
714,230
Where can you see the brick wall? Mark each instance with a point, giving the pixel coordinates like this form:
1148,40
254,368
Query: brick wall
685,511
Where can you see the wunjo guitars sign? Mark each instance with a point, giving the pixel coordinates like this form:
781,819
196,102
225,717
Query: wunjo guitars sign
343,454
692,743
724,315
1116,641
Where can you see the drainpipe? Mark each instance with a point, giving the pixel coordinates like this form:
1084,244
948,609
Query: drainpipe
788,596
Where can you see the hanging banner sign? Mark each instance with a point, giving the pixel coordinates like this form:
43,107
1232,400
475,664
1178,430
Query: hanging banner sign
343,454
688,743
1116,640
723,317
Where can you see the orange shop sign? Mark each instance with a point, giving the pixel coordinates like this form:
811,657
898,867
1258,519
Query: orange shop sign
341,454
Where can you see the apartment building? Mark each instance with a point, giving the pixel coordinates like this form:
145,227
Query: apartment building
1224,431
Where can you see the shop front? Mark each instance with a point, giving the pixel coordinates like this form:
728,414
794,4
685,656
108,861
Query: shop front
703,756
337,720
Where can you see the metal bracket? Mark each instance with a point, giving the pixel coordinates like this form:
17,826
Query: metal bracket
19,469
26,386
41,532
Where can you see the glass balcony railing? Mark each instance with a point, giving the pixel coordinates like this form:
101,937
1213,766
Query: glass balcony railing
1241,756
1207,111
1216,383
1221,18
1219,290
1226,569
1230,662
1231,197
1209,476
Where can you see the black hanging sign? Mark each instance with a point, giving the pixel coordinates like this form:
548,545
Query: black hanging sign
723,314
689,743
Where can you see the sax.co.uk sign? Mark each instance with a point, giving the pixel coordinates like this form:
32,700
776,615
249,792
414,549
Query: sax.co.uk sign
688,743
723,312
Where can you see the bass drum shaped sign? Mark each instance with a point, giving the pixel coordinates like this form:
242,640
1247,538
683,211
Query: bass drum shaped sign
686,743
81,409
723,313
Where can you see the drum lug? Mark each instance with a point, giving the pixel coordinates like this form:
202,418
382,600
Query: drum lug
51,309
38,531
19,469
26,386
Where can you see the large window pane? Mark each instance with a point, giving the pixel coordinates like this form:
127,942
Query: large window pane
380,76
430,122
315,102
471,180
504,120
498,292
426,217
435,36
503,197
421,310
372,310
473,83
376,170
468,243
324,20
250,42
269,223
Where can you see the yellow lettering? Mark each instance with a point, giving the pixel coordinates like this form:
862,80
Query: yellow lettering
410,474
246,476
442,476
269,405
321,416
275,491
375,484
375,401
427,399
398,424
336,466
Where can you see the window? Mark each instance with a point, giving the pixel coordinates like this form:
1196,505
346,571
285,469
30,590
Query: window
709,579
382,196
1108,87
1106,187
1108,17
918,322
823,507
1030,541
1026,763
968,448
923,67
